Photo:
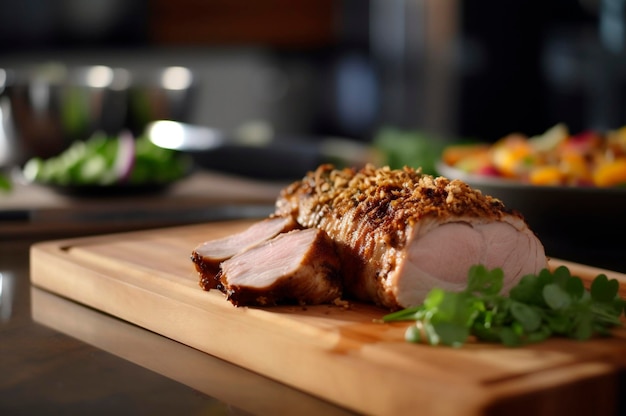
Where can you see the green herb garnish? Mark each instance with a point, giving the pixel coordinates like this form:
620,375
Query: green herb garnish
409,148
538,307
5,183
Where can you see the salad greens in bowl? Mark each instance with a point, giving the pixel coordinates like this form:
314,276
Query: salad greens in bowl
109,165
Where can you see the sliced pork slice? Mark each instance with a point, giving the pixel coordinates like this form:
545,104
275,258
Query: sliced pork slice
208,255
440,255
399,233
300,267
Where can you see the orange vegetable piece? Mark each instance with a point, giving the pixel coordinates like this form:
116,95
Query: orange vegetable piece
512,155
455,153
575,168
611,173
545,175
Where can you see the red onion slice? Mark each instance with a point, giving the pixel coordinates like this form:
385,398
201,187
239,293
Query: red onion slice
125,158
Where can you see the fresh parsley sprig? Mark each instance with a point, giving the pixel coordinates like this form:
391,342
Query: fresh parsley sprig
538,307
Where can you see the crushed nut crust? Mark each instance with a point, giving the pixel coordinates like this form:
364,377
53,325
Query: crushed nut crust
388,199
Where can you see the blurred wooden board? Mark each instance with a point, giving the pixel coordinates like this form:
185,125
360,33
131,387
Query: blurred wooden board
341,355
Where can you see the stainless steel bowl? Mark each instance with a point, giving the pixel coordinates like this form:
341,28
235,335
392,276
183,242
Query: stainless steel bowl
164,93
44,108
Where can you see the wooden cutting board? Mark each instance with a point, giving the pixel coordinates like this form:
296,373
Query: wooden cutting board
342,355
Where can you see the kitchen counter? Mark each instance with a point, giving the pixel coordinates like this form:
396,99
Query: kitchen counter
32,211
58,357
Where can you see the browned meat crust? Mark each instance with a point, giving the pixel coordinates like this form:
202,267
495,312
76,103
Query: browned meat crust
368,213
383,197
207,270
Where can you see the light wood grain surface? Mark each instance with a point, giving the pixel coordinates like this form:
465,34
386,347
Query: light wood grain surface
342,355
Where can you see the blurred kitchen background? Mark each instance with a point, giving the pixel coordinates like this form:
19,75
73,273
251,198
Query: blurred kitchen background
449,70
455,69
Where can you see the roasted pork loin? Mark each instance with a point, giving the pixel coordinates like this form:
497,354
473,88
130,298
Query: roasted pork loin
392,235
208,255
399,233
299,266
